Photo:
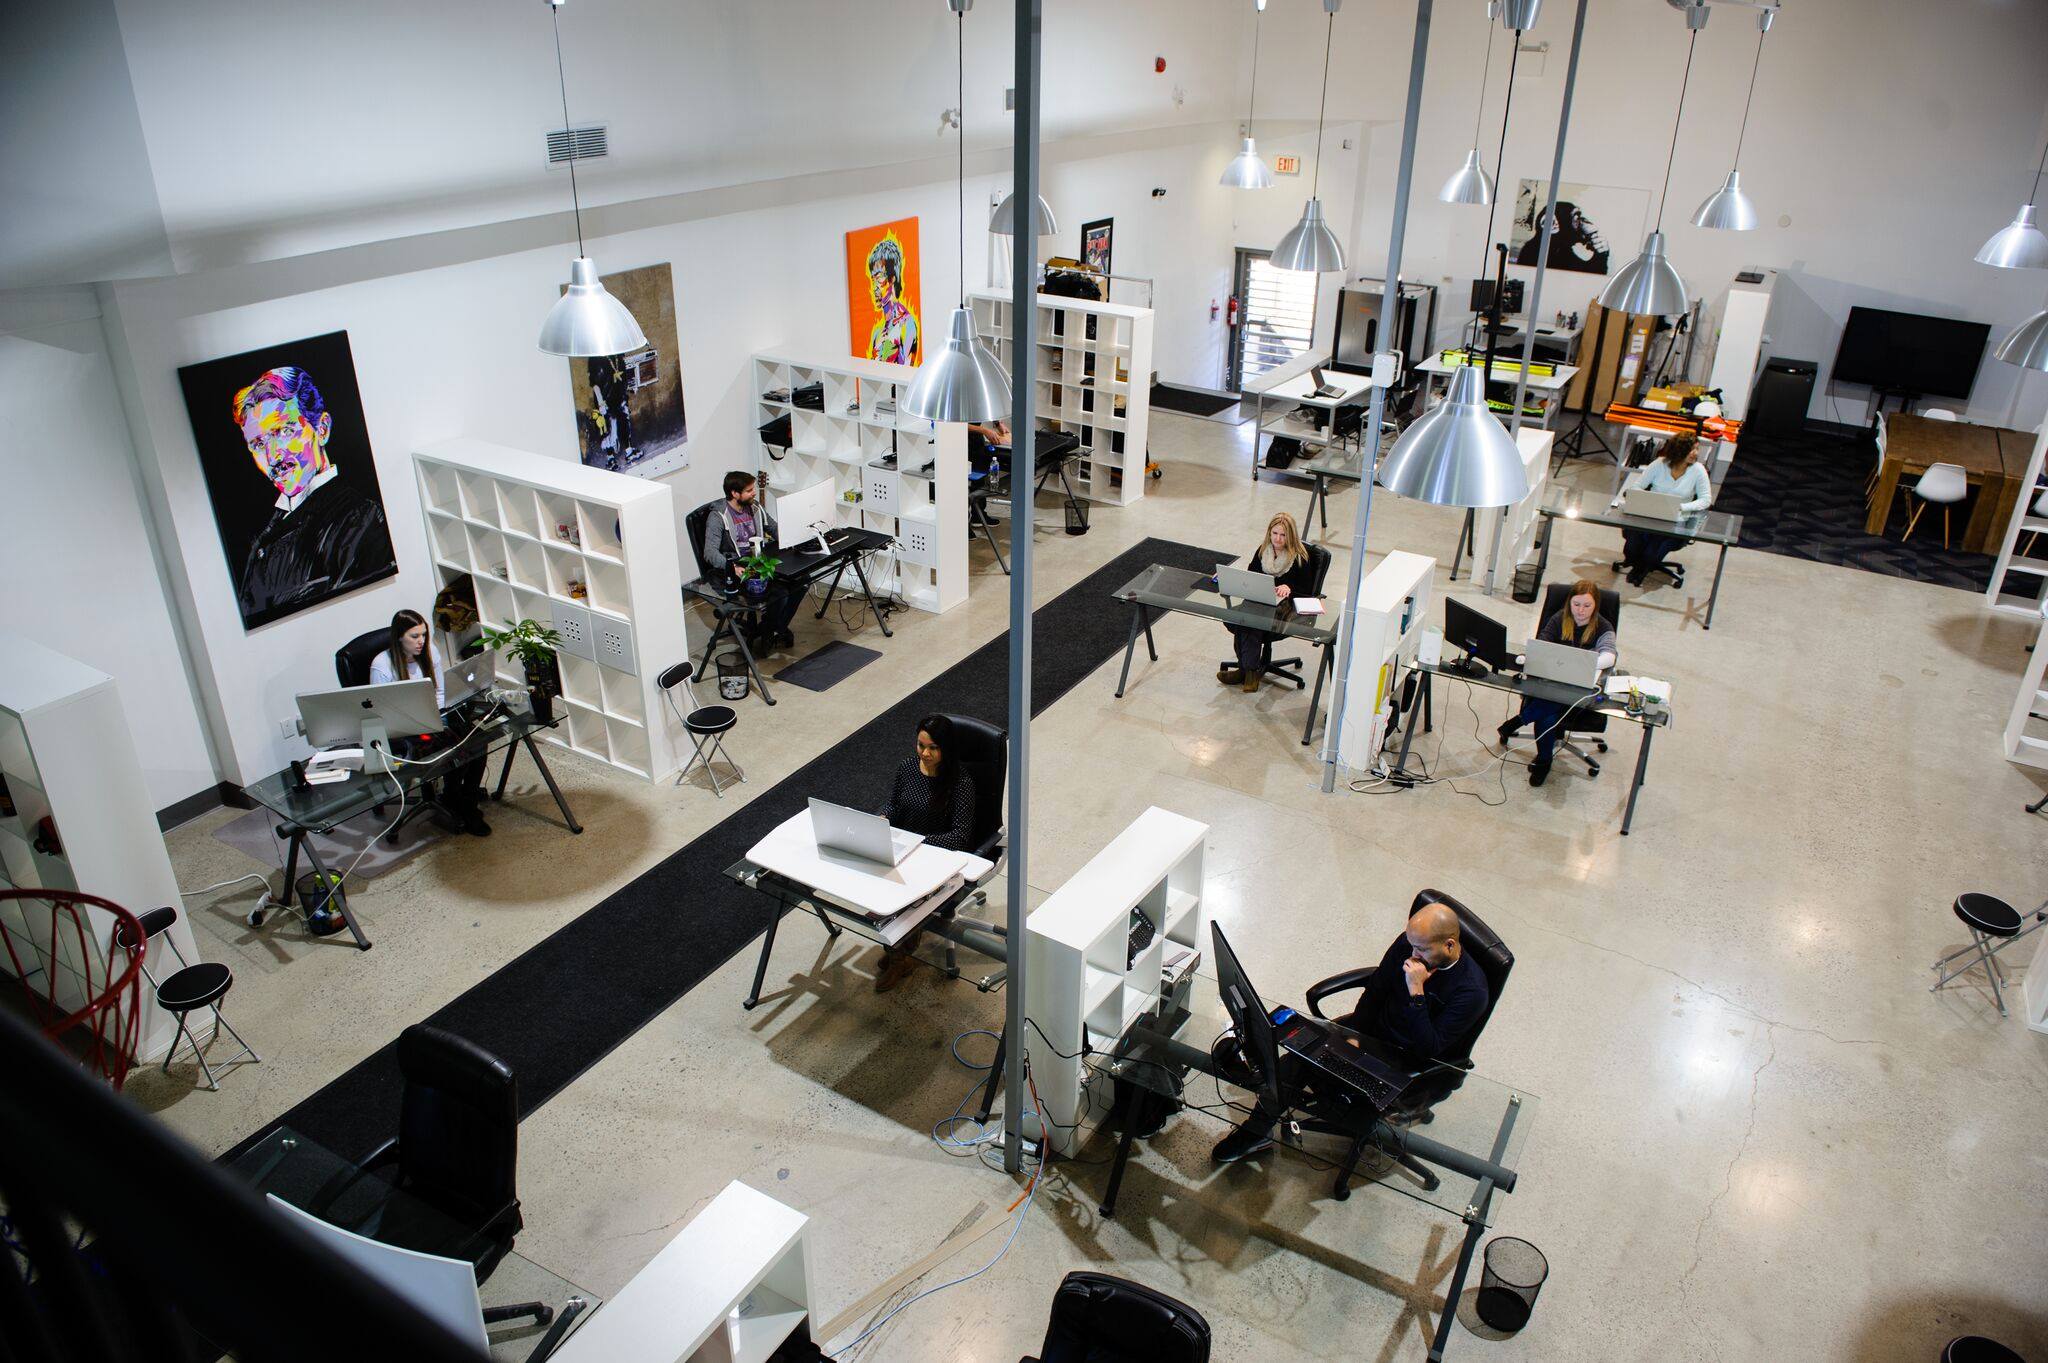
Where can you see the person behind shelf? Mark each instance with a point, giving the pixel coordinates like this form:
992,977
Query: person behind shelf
1282,556
979,437
1418,1006
932,796
1676,470
1580,625
410,653
729,536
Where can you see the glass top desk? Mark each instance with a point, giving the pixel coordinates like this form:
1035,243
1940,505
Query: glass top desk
1720,528
303,810
1160,590
316,1180
1467,1152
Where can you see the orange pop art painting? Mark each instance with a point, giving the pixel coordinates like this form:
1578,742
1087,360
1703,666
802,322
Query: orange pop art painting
882,295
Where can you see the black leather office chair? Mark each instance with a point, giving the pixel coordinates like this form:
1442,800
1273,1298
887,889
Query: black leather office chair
1434,1083
352,660
1583,722
457,1150
727,606
983,752
1100,1319
1289,669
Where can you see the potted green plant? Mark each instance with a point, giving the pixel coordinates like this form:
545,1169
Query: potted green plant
534,645
756,570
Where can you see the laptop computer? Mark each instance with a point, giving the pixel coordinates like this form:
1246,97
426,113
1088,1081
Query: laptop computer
860,834
468,678
1340,1053
1258,588
1654,506
1324,389
1561,663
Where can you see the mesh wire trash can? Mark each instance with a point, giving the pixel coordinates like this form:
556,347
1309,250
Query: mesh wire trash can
1524,589
1077,516
733,682
1513,1275
1977,1349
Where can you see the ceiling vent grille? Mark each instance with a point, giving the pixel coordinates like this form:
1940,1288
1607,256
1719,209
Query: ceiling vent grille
577,144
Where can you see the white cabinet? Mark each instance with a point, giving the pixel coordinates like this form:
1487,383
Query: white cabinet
1393,610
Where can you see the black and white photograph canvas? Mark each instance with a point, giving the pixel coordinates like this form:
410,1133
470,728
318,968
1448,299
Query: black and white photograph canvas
1593,222
629,408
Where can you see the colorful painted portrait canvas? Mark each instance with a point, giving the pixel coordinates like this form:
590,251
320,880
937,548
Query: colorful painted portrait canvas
629,408
882,293
286,457
1096,239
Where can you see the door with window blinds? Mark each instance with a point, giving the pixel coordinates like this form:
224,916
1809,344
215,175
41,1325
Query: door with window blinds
1276,316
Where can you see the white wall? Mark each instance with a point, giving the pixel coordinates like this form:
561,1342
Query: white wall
77,557
1889,138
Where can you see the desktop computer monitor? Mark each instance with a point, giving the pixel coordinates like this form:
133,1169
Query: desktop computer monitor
802,513
1256,1038
370,715
1481,636
1510,296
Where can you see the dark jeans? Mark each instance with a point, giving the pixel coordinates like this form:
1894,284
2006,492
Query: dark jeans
1545,715
1251,647
462,784
778,607
1645,550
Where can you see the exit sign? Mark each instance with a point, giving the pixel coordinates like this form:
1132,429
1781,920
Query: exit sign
1287,165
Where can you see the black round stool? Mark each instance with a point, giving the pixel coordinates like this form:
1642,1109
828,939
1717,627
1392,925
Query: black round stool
1512,1276
185,990
1977,1349
707,726
1994,925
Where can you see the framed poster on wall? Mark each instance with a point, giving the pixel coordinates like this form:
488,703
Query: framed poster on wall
1589,217
629,408
1096,239
883,293
286,457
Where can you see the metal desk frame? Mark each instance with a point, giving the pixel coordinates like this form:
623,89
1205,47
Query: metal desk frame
1555,508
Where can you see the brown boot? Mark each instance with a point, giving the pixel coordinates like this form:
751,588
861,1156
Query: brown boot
896,968
1251,682
1230,676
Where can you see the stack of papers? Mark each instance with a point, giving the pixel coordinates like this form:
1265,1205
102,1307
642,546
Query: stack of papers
1658,692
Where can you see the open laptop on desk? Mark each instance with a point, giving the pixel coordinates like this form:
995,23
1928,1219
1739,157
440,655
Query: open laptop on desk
467,679
1653,506
856,833
1332,1050
1259,589
1561,663
1324,389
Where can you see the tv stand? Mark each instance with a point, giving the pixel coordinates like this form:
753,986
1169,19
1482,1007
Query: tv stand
1906,398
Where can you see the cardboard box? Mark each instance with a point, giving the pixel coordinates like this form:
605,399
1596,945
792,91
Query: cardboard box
1613,355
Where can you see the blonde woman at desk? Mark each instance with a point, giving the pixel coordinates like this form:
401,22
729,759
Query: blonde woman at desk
1678,471
1580,625
412,654
1280,556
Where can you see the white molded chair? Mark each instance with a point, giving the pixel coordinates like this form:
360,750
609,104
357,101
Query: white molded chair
1943,483
1939,414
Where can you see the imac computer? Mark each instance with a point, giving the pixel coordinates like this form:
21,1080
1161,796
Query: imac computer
1484,639
370,715
803,516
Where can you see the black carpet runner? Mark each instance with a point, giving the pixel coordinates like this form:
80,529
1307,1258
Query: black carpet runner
565,1003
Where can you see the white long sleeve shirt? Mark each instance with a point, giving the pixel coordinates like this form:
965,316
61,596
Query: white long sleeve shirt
1693,485
382,673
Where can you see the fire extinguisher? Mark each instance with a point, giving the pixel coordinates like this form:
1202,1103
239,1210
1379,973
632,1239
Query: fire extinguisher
1232,320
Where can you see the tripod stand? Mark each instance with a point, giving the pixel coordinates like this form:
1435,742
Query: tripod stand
1572,444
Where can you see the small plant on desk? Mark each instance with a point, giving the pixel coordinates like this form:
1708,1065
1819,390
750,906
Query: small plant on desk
534,645
756,570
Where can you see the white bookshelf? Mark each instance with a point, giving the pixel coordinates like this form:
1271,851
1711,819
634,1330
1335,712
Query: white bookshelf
921,502
2026,731
67,755
1393,611
1083,983
1522,526
590,552
2019,580
1093,381
729,1288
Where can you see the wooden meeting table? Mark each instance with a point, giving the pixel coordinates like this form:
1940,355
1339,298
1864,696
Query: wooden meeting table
1993,460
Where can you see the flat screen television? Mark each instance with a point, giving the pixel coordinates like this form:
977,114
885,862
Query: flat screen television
1905,352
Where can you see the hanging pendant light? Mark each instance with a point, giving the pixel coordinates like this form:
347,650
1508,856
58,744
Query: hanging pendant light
586,321
1310,244
1457,453
1650,283
2027,347
1470,184
960,380
1246,169
1043,223
1728,209
2020,246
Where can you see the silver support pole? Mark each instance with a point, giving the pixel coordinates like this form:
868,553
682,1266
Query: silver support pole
1023,463
1375,414
1564,123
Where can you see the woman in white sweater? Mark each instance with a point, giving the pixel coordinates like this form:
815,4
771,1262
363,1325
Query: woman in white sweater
1678,471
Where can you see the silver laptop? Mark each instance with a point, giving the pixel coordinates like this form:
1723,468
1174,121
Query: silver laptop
1258,588
1561,663
1653,506
469,677
859,834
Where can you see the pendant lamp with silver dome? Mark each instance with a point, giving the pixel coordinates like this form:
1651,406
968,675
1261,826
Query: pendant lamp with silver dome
1728,209
1470,184
960,380
1310,244
1247,169
585,321
1650,284
2020,246
2027,347
1043,223
1457,453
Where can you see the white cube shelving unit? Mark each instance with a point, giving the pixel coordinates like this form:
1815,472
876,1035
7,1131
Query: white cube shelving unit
67,756
1094,381
592,553
1393,610
2019,580
844,442
1522,526
729,1288
1082,981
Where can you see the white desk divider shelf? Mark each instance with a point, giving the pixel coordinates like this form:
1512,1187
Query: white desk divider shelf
920,500
1084,983
2019,580
729,1288
1394,607
589,552
1094,381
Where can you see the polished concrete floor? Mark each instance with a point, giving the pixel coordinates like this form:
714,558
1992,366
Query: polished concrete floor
1756,1134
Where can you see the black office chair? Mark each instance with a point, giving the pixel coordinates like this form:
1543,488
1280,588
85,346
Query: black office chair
352,660
186,989
1289,669
457,1151
727,606
1100,1319
1583,722
707,726
983,752
1434,1083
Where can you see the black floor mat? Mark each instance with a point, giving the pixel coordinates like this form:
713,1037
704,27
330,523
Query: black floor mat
1186,400
565,1003
824,668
